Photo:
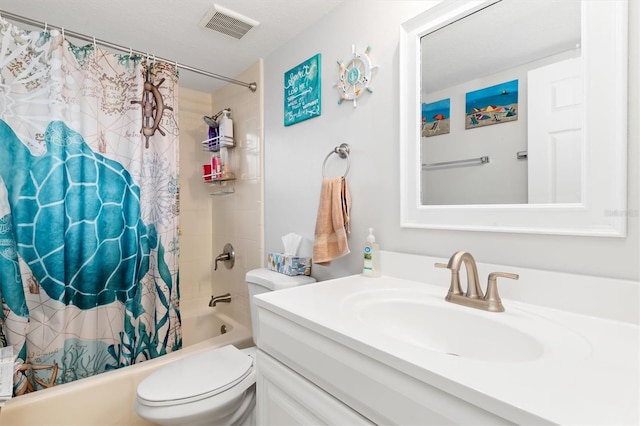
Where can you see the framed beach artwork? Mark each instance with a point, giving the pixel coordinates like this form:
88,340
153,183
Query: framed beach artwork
492,105
302,91
436,118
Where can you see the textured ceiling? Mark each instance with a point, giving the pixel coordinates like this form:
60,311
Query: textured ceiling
170,29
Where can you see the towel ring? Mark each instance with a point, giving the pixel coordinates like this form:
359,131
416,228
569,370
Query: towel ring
343,151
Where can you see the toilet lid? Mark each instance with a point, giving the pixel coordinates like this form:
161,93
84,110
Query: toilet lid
196,377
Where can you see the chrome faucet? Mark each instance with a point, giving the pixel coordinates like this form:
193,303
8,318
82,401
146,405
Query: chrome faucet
225,298
474,296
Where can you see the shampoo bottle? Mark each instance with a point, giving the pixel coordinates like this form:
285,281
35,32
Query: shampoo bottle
371,257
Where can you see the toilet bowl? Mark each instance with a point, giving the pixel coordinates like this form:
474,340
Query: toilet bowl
214,387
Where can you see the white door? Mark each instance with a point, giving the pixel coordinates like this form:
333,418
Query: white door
555,133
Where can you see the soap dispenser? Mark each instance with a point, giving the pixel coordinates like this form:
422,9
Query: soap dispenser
371,257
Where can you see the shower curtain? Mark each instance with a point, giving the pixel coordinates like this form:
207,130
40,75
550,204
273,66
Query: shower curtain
88,214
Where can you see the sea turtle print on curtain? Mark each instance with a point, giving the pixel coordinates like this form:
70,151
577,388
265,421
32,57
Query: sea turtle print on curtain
88,215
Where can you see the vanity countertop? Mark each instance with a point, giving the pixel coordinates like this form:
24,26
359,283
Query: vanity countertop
589,376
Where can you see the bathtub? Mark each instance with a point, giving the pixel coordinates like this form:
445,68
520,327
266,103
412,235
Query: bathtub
107,399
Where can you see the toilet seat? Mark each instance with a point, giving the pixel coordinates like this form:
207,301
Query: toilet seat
197,377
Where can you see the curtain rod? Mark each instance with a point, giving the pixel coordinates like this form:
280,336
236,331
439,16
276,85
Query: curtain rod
29,21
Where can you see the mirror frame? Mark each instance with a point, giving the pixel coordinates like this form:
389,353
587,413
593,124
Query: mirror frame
602,211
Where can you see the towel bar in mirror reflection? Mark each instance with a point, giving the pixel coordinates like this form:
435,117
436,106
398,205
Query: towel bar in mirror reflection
468,162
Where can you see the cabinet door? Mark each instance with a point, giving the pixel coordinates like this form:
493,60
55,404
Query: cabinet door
286,398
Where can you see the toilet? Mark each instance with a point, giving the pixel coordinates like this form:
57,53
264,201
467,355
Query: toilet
215,387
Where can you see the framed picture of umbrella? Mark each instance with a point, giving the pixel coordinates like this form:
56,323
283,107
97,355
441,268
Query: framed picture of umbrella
435,118
492,105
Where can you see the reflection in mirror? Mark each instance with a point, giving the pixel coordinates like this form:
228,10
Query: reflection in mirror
592,159
501,106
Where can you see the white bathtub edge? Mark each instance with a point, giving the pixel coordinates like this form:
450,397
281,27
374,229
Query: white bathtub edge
106,399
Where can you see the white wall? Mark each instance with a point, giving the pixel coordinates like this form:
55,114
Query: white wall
195,203
294,155
501,181
238,218
208,222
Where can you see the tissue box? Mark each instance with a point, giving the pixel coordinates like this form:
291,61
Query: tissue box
288,264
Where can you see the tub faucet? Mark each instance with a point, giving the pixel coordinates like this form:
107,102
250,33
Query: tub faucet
228,256
474,297
225,298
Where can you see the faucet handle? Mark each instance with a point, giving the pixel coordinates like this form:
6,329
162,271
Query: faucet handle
454,288
228,256
492,297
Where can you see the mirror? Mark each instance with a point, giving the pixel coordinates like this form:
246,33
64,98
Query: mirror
499,66
495,164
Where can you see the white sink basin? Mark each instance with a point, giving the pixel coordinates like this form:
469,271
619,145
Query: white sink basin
425,321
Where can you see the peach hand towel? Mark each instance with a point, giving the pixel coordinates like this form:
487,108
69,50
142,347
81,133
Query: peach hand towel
332,224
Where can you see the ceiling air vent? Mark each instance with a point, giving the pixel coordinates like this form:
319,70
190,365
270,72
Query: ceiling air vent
227,22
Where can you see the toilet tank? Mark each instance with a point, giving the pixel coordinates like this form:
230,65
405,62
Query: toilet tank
262,280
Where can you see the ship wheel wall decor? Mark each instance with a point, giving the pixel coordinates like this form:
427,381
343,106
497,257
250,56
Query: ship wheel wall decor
354,76
152,108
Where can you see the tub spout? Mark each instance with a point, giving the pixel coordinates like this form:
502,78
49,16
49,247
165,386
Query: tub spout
225,298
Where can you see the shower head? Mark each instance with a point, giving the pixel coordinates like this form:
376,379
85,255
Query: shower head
211,121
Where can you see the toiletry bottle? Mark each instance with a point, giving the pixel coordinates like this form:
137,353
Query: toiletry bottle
216,166
226,129
213,166
371,257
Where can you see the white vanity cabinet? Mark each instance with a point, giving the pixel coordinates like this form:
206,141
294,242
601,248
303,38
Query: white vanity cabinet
287,398
306,378
391,350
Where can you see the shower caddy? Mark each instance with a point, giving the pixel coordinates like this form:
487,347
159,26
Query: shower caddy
219,144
